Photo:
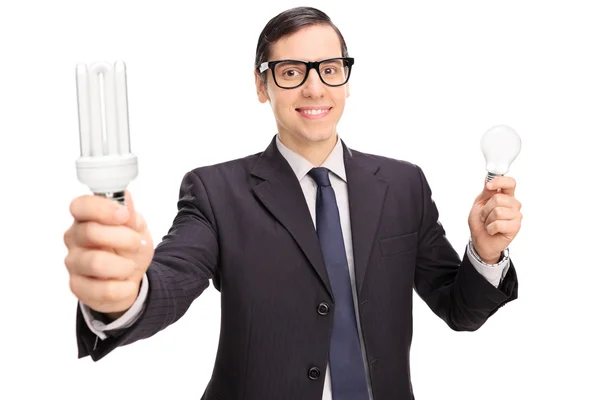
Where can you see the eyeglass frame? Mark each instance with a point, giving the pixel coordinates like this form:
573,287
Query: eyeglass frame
309,65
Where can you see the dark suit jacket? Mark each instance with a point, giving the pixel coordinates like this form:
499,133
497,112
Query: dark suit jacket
245,225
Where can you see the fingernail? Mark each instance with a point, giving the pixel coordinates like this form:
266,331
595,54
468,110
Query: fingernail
489,185
121,214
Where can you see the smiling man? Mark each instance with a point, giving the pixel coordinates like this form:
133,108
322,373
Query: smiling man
316,248
304,75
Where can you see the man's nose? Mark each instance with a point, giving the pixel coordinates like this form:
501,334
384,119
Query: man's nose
313,87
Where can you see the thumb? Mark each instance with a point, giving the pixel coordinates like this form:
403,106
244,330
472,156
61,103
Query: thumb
132,221
137,223
486,193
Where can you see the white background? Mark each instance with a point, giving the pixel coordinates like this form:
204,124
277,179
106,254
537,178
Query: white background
430,78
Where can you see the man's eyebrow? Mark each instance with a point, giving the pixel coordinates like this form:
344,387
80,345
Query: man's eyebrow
304,59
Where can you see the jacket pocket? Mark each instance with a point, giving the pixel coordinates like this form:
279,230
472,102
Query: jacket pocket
399,244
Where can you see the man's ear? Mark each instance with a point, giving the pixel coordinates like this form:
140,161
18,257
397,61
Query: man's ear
261,88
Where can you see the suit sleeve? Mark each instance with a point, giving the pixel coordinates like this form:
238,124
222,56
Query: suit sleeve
103,327
181,269
452,288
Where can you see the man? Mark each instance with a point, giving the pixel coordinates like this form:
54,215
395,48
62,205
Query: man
315,247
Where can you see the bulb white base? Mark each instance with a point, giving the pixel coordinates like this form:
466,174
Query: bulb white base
107,175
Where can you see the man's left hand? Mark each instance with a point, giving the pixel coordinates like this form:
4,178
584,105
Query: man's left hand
495,218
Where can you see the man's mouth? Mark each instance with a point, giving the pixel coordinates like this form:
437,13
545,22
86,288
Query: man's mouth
313,112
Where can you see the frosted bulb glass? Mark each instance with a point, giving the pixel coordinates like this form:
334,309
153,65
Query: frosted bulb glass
500,146
106,164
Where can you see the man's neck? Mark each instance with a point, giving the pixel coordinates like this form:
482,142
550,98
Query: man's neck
315,152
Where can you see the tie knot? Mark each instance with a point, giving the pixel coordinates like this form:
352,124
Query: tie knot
320,175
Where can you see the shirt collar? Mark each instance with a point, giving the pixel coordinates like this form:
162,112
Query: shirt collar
301,166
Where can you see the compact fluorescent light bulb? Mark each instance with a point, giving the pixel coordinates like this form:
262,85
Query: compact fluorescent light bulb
106,164
500,146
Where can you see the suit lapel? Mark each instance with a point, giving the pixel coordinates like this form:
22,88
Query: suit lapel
366,195
280,192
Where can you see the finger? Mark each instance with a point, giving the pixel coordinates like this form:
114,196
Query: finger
98,264
131,222
68,237
137,221
95,235
140,223
505,227
506,183
485,194
102,295
98,209
501,213
498,200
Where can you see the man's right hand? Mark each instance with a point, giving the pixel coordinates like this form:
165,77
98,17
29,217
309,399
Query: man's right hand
109,251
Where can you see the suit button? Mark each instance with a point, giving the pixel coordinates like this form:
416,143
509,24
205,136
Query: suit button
314,373
323,308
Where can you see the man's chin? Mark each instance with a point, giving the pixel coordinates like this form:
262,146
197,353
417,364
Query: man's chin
318,136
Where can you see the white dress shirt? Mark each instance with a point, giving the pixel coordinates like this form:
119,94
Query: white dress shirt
337,175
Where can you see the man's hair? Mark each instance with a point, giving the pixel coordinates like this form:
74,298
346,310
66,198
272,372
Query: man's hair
287,23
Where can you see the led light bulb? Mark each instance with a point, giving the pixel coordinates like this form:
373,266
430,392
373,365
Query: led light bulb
500,146
106,164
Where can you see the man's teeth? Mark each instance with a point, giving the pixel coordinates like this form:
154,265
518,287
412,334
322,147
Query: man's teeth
313,112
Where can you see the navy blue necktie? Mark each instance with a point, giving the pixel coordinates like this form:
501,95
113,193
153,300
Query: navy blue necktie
348,378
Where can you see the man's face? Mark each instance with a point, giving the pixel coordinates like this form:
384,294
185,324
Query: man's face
296,123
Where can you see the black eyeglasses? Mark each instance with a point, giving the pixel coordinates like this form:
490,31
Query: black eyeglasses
290,74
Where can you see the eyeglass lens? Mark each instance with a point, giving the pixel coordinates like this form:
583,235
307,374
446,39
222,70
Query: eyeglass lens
292,73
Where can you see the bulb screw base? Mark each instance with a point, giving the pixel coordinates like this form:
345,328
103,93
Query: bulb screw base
490,176
119,197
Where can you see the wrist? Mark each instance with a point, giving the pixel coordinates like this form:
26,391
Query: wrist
114,315
486,258
492,260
